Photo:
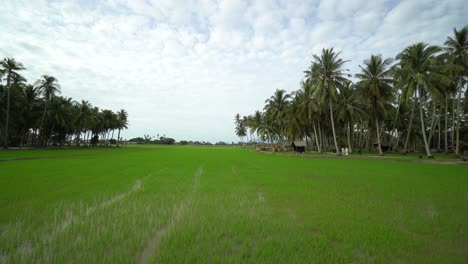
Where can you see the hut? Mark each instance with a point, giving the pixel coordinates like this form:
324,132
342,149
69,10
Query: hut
384,145
298,146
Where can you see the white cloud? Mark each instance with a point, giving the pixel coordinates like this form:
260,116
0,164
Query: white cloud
185,68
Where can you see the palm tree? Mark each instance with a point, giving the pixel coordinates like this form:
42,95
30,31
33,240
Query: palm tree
48,86
458,47
30,100
419,69
10,68
295,125
122,118
276,106
328,75
240,129
58,115
107,123
308,109
349,110
84,119
376,86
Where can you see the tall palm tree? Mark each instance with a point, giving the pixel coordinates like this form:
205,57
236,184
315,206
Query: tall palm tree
48,86
256,121
457,46
349,110
295,125
308,109
376,84
122,118
58,115
30,100
328,74
107,123
10,68
276,106
419,67
84,119
240,129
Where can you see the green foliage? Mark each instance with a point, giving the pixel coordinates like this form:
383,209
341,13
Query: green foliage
148,140
38,116
379,109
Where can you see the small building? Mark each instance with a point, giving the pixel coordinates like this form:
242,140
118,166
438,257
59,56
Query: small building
298,146
384,145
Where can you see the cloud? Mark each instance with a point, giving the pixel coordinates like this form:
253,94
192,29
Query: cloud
185,68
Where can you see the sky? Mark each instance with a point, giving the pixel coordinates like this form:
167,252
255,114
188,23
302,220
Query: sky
185,68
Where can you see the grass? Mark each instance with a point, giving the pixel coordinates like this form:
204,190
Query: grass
214,204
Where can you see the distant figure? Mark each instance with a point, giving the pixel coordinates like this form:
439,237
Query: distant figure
346,151
359,151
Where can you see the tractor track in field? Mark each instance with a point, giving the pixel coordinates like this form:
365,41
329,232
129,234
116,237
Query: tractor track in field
71,218
180,210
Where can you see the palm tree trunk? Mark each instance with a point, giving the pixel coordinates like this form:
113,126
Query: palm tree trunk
118,138
51,134
319,149
42,121
348,130
5,135
446,123
320,137
453,125
397,140
77,139
457,147
433,123
405,149
87,137
333,126
423,128
394,130
378,136
438,132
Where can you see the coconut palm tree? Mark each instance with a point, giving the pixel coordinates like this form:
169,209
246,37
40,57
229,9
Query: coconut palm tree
457,47
122,118
327,74
107,123
308,109
30,102
295,125
84,119
58,114
420,70
10,68
376,85
240,129
276,107
349,110
48,86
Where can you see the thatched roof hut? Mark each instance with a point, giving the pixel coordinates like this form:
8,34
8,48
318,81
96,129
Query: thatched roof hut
298,146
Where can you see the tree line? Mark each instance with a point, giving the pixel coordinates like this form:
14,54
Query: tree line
36,115
412,102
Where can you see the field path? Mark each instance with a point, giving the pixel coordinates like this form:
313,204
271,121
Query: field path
73,218
180,210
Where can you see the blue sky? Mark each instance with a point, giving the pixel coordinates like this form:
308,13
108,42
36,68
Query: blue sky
185,68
